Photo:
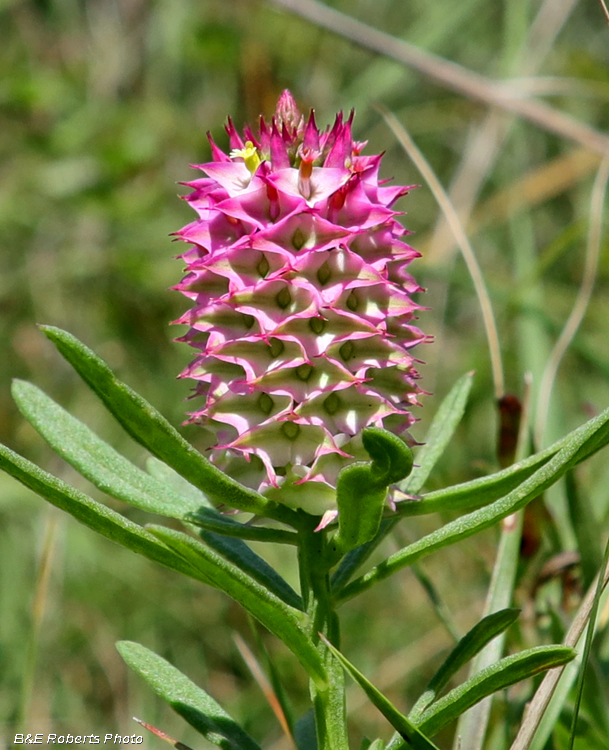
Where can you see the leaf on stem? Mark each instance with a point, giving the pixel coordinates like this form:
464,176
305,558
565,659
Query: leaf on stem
192,703
485,490
96,516
95,459
362,487
210,520
264,604
149,428
506,672
413,735
238,552
440,433
472,643
579,444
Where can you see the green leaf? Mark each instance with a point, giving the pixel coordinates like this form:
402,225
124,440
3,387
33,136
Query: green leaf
391,457
360,501
149,428
591,436
166,475
177,552
441,431
398,721
211,520
95,459
247,560
361,488
498,676
189,701
485,490
278,617
472,643
96,516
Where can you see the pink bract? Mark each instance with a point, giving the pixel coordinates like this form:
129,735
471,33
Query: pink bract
302,316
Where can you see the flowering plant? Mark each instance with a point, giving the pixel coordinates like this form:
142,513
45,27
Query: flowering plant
303,326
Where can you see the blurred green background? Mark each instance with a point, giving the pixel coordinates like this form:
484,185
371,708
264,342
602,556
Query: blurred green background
103,106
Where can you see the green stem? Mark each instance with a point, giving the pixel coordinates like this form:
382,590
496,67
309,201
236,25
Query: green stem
329,703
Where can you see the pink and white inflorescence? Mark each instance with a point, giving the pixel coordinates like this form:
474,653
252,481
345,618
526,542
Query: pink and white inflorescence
302,312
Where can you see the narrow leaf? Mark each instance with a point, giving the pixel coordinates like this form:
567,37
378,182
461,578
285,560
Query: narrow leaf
281,619
413,735
508,671
472,643
211,520
247,560
360,501
95,459
391,458
361,488
149,428
441,431
485,490
96,516
591,436
189,701
166,475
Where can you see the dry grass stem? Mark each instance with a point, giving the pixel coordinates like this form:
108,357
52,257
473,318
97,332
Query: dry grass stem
450,75
487,140
536,709
581,302
605,10
460,236
266,687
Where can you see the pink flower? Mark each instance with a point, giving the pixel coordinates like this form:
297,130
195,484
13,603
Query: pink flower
302,313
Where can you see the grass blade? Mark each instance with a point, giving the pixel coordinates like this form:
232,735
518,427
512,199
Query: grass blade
508,671
471,644
441,431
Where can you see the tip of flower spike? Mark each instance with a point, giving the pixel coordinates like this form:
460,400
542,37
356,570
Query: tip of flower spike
287,112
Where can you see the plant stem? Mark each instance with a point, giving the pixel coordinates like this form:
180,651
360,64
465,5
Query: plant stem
329,704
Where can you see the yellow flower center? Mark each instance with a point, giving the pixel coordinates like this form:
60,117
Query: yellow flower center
249,154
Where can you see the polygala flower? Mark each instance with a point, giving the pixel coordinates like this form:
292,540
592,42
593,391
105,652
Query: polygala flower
302,313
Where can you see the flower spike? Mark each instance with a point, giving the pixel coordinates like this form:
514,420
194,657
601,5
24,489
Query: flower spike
302,313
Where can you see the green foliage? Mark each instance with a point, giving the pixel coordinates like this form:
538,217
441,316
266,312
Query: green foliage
146,425
227,563
416,739
362,487
193,704
470,645
102,106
